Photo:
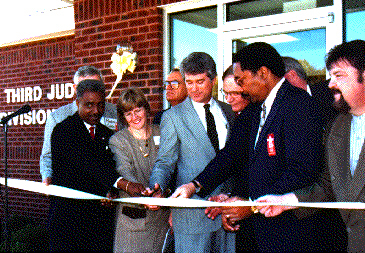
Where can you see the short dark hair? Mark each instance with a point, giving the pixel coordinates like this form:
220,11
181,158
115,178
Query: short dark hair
198,63
227,72
352,51
90,85
87,71
293,64
174,70
129,99
256,55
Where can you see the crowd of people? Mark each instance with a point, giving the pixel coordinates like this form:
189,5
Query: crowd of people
279,139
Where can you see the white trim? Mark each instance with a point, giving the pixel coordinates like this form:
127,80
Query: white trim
189,5
39,38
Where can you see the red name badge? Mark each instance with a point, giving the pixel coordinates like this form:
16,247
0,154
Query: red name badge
271,145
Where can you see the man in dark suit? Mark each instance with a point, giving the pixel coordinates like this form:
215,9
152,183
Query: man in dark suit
188,143
109,119
279,151
320,92
343,179
81,160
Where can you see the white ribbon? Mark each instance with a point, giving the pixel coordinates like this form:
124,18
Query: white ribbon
65,192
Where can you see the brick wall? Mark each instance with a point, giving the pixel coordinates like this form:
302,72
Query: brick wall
29,65
99,26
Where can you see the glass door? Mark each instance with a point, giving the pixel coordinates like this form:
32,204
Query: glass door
305,35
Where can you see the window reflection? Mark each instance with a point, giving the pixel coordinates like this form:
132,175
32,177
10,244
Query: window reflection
308,47
193,31
250,9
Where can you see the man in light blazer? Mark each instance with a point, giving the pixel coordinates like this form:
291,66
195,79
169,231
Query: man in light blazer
185,143
344,179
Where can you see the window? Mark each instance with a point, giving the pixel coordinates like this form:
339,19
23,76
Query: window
250,9
355,15
193,31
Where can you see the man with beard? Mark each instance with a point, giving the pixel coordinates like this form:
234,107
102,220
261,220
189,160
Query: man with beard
344,180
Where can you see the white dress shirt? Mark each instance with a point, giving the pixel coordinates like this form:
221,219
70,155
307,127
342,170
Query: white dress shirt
357,136
269,102
220,121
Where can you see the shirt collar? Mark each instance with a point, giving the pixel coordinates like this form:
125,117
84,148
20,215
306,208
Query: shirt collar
88,125
200,105
272,95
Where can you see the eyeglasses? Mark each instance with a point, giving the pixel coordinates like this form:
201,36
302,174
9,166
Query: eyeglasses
174,84
234,94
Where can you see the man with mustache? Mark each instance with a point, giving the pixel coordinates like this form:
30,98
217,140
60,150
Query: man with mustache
344,179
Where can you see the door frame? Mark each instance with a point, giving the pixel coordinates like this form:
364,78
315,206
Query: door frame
329,18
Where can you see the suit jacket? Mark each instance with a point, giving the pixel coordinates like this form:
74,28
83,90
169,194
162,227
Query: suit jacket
84,164
186,145
337,183
323,96
287,156
109,119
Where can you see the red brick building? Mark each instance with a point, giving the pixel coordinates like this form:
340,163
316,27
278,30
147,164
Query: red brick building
162,32
99,26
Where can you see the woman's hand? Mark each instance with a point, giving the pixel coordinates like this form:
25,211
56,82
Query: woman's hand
135,189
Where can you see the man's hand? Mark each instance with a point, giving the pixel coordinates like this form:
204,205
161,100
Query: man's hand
184,191
231,214
108,201
156,192
229,225
213,212
272,211
47,181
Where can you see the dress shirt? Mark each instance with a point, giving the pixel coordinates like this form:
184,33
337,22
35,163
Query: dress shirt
309,90
270,100
357,136
220,121
88,127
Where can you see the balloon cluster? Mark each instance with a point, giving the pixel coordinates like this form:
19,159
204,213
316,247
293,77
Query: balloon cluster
122,60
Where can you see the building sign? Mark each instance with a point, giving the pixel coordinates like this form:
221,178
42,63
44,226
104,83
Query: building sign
35,94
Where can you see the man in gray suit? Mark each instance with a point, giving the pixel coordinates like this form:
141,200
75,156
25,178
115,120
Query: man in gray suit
109,119
189,142
344,179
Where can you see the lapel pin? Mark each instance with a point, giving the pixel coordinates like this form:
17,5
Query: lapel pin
271,145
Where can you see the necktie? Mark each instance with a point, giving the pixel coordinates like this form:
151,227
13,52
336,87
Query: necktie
211,128
262,118
262,121
92,132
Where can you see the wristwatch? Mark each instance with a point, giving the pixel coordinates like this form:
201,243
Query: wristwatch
197,186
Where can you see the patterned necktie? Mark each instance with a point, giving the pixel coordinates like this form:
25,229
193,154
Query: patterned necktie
262,122
92,132
262,118
211,128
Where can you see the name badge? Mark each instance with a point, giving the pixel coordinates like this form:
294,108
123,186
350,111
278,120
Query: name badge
156,140
271,145
109,123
